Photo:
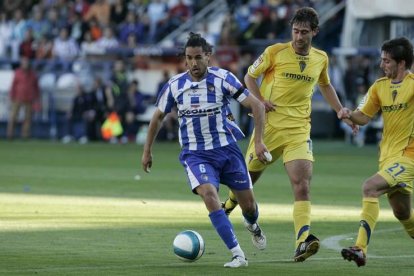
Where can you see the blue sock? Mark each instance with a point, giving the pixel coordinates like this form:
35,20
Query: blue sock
224,228
252,219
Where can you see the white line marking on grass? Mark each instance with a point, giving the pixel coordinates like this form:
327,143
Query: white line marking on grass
333,243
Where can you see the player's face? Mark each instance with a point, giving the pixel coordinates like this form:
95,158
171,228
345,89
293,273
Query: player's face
196,61
302,35
389,65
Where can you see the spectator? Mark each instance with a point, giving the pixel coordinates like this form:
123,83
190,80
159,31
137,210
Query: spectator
5,34
157,13
137,105
88,46
44,48
65,49
229,31
131,26
24,93
27,46
100,10
55,23
138,7
177,15
81,7
11,5
108,40
94,29
276,28
100,106
77,27
117,95
38,24
19,27
118,12
80,118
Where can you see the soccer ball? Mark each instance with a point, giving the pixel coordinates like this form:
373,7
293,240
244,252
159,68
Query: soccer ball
188,246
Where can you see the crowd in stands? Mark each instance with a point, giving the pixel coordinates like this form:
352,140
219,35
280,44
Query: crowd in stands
58,32
65,29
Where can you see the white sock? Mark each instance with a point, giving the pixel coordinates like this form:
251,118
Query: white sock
237,251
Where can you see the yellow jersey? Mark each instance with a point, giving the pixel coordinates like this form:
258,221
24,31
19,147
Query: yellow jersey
288,81
396,102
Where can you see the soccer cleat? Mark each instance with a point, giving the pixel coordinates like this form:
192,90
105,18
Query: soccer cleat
258,237
237,261
355,254
307,248
228,209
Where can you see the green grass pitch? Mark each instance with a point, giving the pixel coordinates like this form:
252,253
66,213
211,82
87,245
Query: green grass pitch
79,210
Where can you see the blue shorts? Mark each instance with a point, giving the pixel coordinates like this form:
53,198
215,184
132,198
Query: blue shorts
224,165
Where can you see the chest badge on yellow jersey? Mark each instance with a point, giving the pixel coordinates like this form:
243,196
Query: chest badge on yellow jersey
394,95
302,65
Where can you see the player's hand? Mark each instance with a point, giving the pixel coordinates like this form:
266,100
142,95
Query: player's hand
355,127
146,162
262,153
269,106
344,113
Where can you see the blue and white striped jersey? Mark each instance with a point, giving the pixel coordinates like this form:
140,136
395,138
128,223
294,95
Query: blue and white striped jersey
204,115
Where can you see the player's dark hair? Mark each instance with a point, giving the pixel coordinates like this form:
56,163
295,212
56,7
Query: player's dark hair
399,49
196,40
304,15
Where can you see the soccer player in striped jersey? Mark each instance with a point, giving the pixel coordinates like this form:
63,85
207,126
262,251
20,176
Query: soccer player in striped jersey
289,72
208,136
393,95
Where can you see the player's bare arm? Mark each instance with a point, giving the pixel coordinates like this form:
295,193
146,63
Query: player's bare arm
258,111
153,129
329,93
251,84
357,117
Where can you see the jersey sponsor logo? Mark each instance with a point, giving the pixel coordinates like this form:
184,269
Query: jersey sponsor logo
394,107
258,61
300,77
199,112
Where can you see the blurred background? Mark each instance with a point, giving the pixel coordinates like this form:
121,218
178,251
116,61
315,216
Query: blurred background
87,58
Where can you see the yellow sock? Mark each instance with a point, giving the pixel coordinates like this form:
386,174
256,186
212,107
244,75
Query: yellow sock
301,220
369,217
409,225
231,202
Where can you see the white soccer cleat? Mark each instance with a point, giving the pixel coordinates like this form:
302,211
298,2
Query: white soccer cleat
237,261
258,237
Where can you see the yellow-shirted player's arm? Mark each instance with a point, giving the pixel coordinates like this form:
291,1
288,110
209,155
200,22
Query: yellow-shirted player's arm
259,67
359,118
367,108
329,93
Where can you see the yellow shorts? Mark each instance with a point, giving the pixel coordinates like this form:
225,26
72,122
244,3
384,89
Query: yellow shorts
292,144
399,174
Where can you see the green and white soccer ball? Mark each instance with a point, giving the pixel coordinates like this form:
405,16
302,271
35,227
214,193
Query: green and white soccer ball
188,246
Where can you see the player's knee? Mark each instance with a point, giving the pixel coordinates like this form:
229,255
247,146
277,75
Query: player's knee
248,205
369,189
301,187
